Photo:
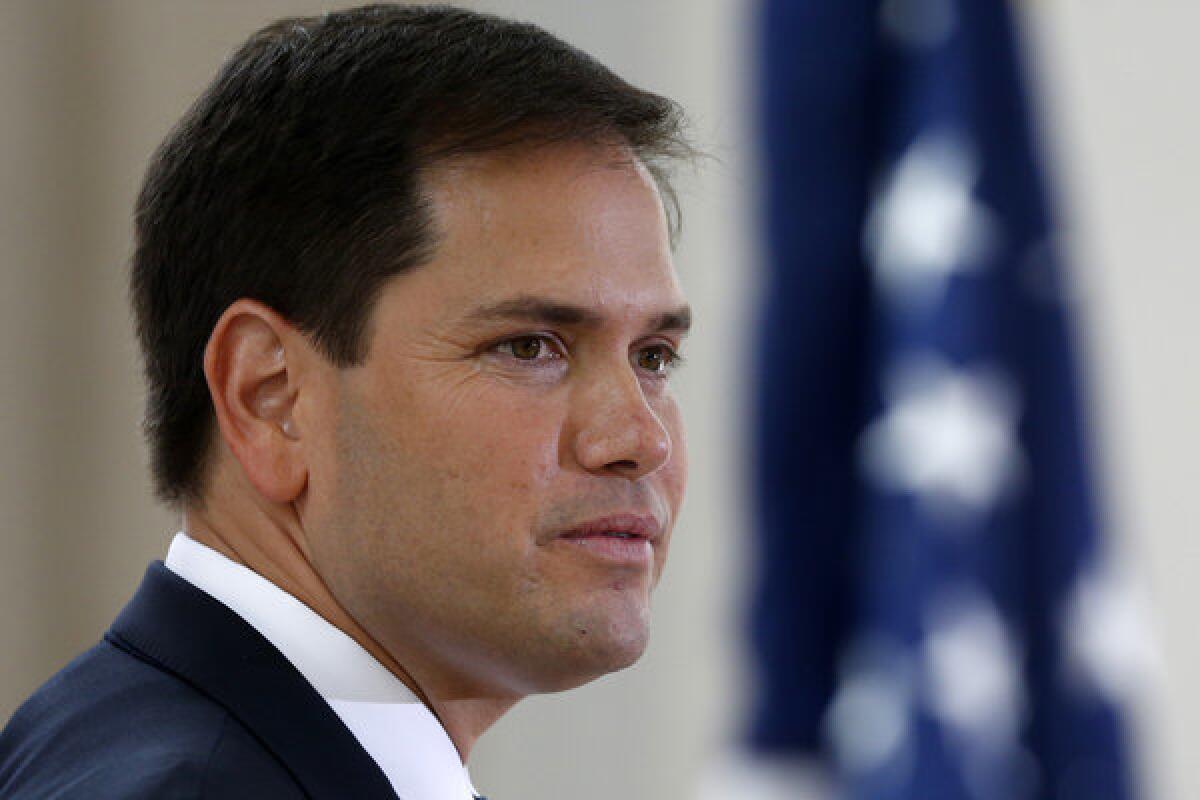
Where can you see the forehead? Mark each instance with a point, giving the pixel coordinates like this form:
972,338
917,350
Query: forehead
577,222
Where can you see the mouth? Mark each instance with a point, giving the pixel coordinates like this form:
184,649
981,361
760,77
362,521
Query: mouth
620,539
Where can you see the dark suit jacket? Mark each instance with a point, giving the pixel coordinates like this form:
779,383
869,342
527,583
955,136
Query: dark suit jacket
182,699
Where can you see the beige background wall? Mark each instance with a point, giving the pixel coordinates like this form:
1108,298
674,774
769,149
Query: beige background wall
87,89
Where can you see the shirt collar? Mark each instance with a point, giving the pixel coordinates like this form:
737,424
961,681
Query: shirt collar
389,721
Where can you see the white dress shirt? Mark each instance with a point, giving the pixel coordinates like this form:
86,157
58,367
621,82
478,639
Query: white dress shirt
390,722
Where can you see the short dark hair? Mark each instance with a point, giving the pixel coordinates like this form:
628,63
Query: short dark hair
294,180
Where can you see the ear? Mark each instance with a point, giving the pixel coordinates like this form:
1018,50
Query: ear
254,390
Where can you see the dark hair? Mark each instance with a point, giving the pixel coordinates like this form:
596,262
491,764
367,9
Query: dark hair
294,180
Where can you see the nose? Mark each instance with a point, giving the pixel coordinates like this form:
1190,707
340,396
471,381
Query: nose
617,430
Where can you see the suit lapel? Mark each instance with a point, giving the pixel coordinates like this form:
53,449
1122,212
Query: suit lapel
181,629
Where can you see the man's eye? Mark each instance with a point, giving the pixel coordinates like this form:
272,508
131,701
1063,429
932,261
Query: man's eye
658,359
528,348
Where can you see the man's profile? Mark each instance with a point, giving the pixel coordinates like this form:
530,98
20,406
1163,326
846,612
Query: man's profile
404,292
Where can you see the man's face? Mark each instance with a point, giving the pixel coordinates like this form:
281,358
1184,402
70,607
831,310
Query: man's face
516,388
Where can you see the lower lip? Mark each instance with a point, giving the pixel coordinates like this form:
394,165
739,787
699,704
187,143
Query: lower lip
634,551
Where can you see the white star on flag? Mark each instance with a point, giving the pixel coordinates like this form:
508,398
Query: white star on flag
924,224
972,670
1110,647
918,23
946,435
867,724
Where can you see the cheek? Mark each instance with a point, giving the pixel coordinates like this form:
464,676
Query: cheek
505,446
481,461
675,471
467,424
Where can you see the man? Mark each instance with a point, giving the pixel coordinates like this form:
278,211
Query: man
404,290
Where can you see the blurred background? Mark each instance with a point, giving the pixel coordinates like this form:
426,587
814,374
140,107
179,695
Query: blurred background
88,89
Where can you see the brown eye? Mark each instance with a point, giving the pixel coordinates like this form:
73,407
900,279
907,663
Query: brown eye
527,348
533,349
657,359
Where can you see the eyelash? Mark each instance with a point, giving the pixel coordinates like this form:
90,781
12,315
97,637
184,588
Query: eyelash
673,360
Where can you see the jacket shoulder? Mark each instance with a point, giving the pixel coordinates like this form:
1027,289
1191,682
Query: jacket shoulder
112,725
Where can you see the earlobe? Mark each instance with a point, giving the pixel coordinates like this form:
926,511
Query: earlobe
254,389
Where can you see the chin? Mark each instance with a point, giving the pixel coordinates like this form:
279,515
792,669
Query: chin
596,646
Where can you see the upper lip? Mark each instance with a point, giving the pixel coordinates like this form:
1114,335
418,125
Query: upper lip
643,526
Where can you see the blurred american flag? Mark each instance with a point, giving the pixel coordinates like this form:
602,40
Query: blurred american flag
935,612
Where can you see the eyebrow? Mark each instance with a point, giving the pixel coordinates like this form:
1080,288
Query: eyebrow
539,309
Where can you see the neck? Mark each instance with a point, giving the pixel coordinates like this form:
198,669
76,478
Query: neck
272,543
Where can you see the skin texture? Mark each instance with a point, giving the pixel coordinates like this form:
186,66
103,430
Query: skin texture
415,501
